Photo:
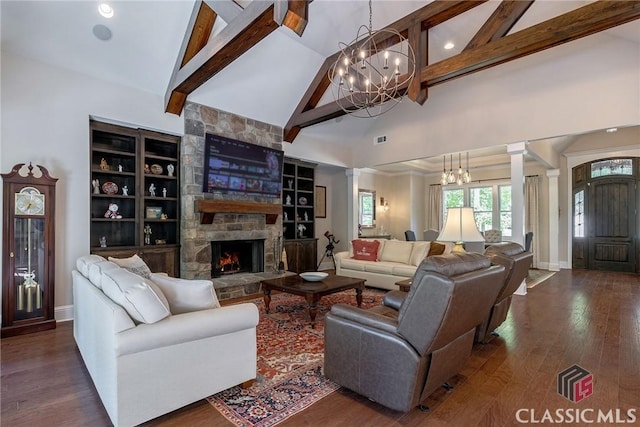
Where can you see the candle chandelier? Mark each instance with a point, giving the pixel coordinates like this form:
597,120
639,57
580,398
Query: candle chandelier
451,177
373,72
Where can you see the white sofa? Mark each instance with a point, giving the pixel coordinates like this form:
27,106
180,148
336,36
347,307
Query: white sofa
144,370
397,260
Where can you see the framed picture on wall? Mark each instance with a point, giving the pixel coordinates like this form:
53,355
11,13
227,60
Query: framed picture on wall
321,201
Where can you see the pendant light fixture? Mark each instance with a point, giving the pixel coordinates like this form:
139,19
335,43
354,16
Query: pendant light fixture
451,178
462,177
372,72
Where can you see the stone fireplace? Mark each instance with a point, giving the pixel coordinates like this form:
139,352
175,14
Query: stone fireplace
237,256
220,223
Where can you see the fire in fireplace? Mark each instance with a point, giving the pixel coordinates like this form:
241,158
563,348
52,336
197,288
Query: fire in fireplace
237,256
229,263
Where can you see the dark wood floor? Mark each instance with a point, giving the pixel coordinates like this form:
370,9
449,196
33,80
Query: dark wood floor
588,318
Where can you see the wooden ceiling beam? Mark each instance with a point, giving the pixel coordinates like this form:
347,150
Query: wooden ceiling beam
225,9
418,42
200,32
500,22
293,14
247,29
584,21
590,19
432,14
330,111
310,99
199,26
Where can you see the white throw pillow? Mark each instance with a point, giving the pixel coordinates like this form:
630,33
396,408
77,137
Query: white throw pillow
134,264
185,295
96,270
84,262
397,251
140,297
419,252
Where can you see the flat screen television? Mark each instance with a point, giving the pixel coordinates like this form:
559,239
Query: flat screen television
237,167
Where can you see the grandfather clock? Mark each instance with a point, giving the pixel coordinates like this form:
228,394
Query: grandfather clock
28,251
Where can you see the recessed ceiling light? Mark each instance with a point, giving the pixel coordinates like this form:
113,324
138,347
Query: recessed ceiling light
102,32
610,130
105,10
449,45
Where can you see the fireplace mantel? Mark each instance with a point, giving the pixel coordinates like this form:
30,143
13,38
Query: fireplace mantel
209,208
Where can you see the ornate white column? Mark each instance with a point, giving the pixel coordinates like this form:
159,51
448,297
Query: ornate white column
517,151
352,203
554,264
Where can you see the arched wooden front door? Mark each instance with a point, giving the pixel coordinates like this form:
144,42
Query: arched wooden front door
605,215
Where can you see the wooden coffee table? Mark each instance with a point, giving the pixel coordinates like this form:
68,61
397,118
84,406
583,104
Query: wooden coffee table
311,291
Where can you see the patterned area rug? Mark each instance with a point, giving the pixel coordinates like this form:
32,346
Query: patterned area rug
536,277
290,360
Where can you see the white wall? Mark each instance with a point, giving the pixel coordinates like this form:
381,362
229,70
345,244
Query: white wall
45,120
335,180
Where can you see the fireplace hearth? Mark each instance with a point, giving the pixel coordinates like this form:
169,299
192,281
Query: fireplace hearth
237,256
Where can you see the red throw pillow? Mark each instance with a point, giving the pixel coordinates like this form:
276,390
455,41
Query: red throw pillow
365,250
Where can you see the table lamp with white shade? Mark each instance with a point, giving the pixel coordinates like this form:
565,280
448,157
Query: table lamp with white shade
460,228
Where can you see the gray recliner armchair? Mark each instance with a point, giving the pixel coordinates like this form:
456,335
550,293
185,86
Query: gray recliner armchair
399,353
517,262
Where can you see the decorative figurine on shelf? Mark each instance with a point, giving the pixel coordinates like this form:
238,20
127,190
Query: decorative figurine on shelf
170,169
290,182
164,192
112,212
301,230
147,234
286,217
125,190
306,216
152,190
288,200
163,216
96,186
104,165
103,241
119,168
146,168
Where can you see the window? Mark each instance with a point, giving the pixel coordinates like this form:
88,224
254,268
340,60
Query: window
453,198
612,167
482,203
505,209
578,214
491,205
367,208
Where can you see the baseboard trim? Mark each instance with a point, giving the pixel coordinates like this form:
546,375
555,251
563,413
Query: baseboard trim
553,267
63,313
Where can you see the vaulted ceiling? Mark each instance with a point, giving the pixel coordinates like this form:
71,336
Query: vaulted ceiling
262,68
202,57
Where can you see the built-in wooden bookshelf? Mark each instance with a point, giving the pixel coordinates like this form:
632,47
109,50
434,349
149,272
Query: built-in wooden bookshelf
137,170
298,215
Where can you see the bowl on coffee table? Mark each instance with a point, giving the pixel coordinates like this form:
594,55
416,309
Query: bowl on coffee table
313,276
